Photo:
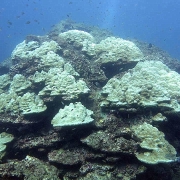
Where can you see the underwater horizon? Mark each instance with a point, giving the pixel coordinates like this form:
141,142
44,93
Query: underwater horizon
154,22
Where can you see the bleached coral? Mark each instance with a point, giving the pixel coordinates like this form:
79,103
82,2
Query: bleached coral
5,81
112,50
25,51
61,82
51,59
148,84
19,84
74,114
76,36
28,103
4,139
156,148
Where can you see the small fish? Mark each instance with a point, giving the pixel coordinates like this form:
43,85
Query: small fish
9,22
150,45
28,22
36,21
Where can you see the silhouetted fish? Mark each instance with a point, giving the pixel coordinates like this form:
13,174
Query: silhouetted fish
36,21
28,22
9,22
150,45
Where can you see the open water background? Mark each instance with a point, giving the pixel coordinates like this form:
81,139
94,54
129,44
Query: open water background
152,21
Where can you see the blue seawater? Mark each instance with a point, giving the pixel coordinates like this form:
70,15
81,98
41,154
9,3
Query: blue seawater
155,22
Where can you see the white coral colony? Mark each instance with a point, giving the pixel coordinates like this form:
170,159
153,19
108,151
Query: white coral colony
74,114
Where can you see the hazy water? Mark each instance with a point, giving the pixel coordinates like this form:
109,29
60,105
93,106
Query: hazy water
153,21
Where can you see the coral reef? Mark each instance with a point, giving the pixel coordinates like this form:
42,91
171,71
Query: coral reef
19,84
29,103
72,156
4,82
32,49
79,115
107,142
4,139
82,104
114,50
76,36
157,149
59,82
66,25
29,168
149,84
